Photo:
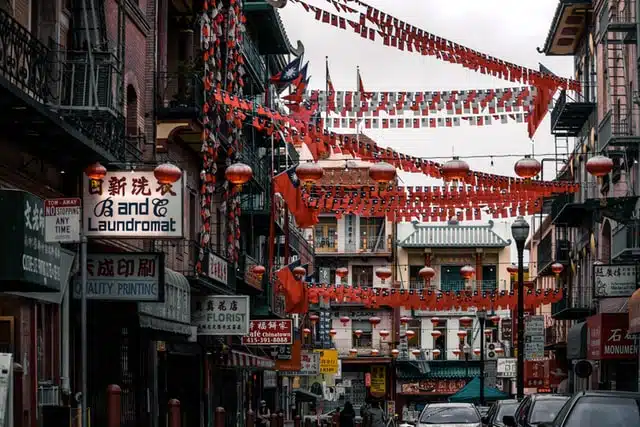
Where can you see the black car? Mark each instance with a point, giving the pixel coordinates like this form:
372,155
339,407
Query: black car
535,409
599,408
498,410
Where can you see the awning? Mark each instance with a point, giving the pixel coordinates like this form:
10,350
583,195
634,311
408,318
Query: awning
174,314
422,370
577,341
306,396
238,359
471,393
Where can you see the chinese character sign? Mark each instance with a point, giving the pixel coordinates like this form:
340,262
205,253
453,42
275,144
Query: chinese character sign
328,361
133,205
124,277
378,385
309,365
27,262
269,332
221,315
617,280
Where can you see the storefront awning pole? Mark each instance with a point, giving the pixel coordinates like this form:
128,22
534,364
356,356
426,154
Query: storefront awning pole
83,322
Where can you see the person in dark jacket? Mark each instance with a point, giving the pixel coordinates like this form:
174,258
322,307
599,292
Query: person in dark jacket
348,415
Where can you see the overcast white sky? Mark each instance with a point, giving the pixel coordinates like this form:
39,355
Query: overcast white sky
507,29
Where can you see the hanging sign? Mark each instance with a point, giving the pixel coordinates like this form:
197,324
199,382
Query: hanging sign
269,332
133,205
328,361
221,315
378,384
615,280
507,368
309,365
62,220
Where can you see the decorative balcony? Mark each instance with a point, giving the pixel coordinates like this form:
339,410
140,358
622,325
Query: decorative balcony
619,130
576,306
571,111
179,95
552,249
625,242
255,65
459,285
326,244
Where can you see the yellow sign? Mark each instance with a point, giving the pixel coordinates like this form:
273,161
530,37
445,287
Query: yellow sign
328,361
378,381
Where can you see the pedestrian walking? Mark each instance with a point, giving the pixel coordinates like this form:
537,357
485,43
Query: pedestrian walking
348,415
376,415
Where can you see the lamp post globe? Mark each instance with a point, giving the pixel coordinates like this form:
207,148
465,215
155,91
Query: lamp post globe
520,230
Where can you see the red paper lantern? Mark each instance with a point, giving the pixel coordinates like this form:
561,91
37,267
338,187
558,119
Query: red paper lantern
384,334
557,268
404,320
527,167
95,171
353,352
436,352
499,350
308,173
529,284
306,332
395,352
238,174
357,333
599,166
436,334
167,173
314,318
410,334
495,318
259,271
382,172
416,352
454,170
466,321
427,273
477,351
512,270
375,321
383,273
344,320
342,272
456,352
435,321
375,352
488,332
332,333
467,272
299,272
462,334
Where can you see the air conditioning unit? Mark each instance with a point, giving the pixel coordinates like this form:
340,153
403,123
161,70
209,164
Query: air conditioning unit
490,351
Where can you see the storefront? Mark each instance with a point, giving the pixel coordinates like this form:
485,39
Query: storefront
612,347
36,276
412,395
634,326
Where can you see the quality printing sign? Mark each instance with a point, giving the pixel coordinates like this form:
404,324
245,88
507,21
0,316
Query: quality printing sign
124,277
221,315
27,263
615,280
133,205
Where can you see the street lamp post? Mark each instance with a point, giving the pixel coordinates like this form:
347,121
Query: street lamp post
466,349
482,316
520,233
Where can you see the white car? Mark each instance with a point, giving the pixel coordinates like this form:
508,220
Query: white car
449,415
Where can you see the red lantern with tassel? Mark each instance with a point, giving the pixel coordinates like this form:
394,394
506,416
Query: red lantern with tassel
375,352
462,334
238,174
306,332
395,352
309,173
95,171
557,268
527,167
332,333
383,273
454,170
495,318
384,334
410,334
436,353
467,272
457,352
499,350
353,352
342,272
258,271
314,318
357,333
404,320
436,334
599,166
344,320
466,321
477,351
299,272
512,270
382,172
427,273
435,321
375,321
416,352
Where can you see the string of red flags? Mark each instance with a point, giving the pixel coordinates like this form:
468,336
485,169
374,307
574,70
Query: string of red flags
473,101
425,122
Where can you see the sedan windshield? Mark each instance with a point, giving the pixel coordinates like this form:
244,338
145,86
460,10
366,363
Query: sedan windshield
545,410
449,415
505,409
596,411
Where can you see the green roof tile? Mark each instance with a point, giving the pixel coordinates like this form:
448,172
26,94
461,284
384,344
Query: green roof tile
454,235
409,372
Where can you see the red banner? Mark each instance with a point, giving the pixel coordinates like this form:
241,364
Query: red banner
536,373
447,386
609,337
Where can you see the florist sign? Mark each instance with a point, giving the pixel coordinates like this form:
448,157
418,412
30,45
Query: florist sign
221,315
133,205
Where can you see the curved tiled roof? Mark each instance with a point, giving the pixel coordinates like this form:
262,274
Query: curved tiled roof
454,236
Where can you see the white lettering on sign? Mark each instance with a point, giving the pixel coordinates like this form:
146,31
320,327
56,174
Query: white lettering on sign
629,349
221,315
62,220
40,267
269,332
133,205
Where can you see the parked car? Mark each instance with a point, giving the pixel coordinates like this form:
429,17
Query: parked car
498,410
599,409
535,409
446,414
483,410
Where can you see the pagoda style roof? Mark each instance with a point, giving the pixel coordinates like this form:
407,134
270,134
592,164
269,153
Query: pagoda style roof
454,235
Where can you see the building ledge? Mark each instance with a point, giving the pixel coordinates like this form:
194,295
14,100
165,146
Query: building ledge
567,27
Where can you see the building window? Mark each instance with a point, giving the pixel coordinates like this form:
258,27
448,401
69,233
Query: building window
366,338
326,235
489,277
415,281
415,341
441,342
132,111
362,275
450,279
372,236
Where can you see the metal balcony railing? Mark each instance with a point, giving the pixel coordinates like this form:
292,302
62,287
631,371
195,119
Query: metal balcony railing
458,285
324,243
373,243
545,255
24,60
625,242
254,60
178,94
621,125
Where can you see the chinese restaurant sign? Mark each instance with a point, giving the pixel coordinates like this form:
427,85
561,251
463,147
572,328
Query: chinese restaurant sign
309,365
133,205
445,386
124,277
28,263
609,337
218,269
618,280
221,315
269,332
